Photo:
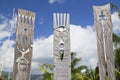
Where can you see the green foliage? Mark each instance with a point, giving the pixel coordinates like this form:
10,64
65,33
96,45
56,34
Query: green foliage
117,57
116,41
6,76
75,69
117,74
92,74
47,70
113,6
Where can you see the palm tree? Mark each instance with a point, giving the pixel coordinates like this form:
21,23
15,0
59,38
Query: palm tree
5,77
92,74
76,71
113,6
47,70
116,41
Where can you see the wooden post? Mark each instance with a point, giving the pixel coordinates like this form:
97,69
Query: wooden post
23,49
100,44
103,25
109,45
62,56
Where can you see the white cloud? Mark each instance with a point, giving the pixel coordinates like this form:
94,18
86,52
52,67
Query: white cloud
1,16
7,29
53,1
41,21
42,52
7,54
43,45
7,26
4,34
83,42
116,23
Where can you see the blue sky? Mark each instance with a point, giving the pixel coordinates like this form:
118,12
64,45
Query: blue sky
81,11
83,35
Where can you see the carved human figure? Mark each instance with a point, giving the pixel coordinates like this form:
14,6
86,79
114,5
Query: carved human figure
22,69
22,65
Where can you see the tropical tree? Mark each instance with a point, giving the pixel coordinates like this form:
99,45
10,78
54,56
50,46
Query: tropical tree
92,74
113,6
76,71
6,77
47,70
116,41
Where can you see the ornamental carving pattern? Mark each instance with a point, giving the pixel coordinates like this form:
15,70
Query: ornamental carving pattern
23,49
103,24
62,56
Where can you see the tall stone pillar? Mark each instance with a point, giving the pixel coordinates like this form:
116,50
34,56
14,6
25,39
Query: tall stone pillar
23,49
62,56
102,18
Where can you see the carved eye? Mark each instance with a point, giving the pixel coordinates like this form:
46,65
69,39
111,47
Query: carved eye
61,28
25,29
61,45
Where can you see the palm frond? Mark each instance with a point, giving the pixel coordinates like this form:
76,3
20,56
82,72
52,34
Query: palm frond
80,68
75,62
117,71
116,40
43,69
48,66
113,6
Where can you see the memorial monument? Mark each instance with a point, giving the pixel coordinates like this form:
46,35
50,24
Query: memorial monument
23,49
103,24
62,56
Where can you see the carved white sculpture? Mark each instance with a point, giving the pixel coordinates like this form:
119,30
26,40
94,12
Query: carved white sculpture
102,18
62,56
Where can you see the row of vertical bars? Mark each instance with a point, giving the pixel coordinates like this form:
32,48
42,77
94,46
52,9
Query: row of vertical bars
61,19
25,19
